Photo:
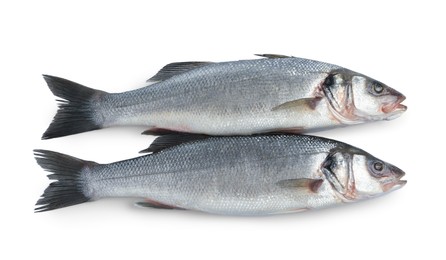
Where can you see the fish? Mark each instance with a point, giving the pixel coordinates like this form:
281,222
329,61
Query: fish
228,175
275,93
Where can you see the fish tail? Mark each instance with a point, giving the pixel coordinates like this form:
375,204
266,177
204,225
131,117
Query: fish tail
77,110
69,185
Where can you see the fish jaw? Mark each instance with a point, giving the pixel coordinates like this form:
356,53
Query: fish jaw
395,109
395,183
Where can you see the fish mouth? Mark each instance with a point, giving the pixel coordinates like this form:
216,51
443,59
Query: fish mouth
398,185
395,184
394,109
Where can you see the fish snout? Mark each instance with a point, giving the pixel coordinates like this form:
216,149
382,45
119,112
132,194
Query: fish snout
394,108
394,182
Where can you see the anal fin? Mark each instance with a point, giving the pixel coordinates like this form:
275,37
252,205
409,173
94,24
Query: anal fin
159,131
154,204
291,130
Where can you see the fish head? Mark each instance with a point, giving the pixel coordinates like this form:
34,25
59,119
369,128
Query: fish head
356,175
374,177
355,98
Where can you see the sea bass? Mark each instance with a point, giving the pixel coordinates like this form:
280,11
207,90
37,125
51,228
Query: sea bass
273,94
232,175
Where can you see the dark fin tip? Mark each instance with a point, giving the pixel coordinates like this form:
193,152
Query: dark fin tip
159,131
273,56
76,113
155,204
66,190
315,185
171,140
176,68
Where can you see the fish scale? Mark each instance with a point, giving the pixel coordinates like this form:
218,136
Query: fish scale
285,94
236,175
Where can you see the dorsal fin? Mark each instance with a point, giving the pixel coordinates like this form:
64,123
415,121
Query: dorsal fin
177,68
273,56
171,140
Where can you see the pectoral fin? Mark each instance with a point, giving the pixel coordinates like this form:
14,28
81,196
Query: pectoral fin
302,103
311,184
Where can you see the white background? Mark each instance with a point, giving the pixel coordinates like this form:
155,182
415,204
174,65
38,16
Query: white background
115,46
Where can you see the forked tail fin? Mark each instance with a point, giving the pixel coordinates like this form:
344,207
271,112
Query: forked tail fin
68,187
77,110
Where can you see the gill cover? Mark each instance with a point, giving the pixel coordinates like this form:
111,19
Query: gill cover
337,87
338,170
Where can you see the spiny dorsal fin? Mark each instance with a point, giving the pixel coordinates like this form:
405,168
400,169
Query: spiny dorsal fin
273,56
171,140
176,68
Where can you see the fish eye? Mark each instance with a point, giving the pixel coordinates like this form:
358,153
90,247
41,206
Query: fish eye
377,88
378,166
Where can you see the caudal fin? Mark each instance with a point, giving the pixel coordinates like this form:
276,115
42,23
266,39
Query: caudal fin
68,189
77,109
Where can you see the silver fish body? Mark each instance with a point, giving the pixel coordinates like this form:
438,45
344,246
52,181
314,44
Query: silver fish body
275,94
227,98
240,175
